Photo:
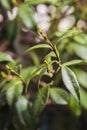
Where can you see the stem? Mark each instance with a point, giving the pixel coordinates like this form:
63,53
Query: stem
53,47
18,75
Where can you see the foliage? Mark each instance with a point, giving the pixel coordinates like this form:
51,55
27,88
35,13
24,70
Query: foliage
56,79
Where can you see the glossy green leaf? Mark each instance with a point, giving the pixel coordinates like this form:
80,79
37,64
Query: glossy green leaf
40,100
74,106
81,51
82,76
27,16
70,81
24,111
14,90
38,46
5,57
75,62
59,96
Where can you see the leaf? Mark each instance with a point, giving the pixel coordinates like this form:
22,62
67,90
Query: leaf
6,4
24,111
33,2
5,57
38,46
40,75
59,96
40,100
83,95
48,56
14,90
67,34
26,72
81,39
35,59
27,16
81,51
35,73
82,76
75,62
74,106
70,82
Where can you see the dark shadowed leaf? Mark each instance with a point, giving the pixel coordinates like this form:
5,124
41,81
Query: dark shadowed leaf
83,95
40,100
74,106
24,111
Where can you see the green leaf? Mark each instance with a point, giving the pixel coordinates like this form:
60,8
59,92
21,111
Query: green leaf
38,46
40,100
35,58
33,2
27,16
14,90
83,95
70,82
75,62
6,4
74,106
59,96
82,76
81,51
35,73
26,72
24,111
67,34
5,57
81,39
40,75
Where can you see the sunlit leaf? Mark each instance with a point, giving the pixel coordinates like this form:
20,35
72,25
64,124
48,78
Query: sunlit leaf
59,96
70,82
